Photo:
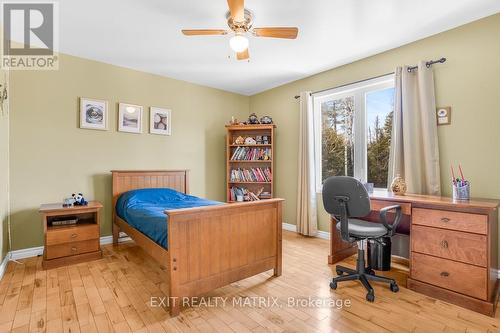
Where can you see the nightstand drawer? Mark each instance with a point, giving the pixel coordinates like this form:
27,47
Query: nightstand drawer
69,249
72,234
448,244
462,278
467,222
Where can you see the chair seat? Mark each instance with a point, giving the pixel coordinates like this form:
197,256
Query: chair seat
360,228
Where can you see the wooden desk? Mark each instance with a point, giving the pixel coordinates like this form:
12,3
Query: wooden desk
453,247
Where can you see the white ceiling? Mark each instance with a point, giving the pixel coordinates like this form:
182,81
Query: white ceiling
145,35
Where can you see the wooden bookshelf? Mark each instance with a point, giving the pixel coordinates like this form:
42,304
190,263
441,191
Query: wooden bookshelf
234,131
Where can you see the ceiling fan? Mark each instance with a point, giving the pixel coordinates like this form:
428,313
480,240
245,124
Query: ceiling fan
240,21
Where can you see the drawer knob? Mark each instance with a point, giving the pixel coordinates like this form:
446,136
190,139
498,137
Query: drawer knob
445,274
73,249
74,235
445,219
444,244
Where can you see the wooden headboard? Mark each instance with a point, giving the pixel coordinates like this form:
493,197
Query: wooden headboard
126,180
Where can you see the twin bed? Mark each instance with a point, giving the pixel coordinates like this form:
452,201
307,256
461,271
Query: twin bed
203,244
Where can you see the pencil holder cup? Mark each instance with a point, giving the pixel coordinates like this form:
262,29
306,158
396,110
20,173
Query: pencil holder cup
461,192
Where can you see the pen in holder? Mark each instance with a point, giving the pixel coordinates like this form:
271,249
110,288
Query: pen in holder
461,191
459,186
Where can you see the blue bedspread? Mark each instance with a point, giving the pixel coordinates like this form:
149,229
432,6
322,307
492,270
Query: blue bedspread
144,209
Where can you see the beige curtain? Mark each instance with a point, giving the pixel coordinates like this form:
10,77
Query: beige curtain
307,220
414,153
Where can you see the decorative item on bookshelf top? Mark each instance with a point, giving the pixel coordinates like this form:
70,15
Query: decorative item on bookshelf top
253,119
266,120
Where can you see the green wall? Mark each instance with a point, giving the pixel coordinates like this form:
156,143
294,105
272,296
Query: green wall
51,157
4,171
469,82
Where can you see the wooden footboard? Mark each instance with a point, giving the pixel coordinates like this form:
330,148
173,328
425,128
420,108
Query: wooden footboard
210,247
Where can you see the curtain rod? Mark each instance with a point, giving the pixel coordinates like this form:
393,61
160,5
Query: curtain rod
412,68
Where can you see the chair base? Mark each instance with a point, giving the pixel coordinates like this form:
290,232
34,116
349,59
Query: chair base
363,274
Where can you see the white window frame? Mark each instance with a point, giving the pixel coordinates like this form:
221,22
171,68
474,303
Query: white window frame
358,90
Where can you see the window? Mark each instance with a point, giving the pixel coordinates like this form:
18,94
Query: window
353,127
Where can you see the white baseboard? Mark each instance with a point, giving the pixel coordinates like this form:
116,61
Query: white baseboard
319,234
3,265
26,253
289,227
109,239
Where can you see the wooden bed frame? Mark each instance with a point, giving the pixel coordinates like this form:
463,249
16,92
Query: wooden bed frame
208,247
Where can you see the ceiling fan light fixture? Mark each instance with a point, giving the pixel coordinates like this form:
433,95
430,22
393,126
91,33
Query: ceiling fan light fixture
238,42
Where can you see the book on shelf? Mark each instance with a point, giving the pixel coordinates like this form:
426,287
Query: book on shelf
247,195
251,154
251,175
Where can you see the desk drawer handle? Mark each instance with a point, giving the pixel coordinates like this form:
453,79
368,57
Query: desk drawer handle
445,219
74,235
73,249
445,274
444,244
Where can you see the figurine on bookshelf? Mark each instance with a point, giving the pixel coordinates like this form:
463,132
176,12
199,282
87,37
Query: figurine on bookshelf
233,121
239,140
266,120
250,141
253,119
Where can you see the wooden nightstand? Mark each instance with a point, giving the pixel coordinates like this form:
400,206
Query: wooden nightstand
73,243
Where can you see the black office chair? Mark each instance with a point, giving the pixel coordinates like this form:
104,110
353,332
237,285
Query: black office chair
346,198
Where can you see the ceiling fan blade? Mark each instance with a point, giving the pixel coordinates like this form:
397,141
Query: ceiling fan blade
237,9
284,32
243,55
203,32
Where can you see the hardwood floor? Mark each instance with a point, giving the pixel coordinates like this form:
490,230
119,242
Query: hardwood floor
114,294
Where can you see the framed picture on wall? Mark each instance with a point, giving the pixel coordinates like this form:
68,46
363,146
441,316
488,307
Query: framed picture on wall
129,118
160,121
93,114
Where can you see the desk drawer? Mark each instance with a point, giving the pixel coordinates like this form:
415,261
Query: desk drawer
462,278
451,220
379,204
69,249
454,245
72,234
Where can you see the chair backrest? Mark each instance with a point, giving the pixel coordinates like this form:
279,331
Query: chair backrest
336,187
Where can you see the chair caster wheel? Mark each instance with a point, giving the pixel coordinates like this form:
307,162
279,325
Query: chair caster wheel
370,271
339,272
333,285
394,287
370,297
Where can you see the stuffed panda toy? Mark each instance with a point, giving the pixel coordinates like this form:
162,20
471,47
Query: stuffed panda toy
79,200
